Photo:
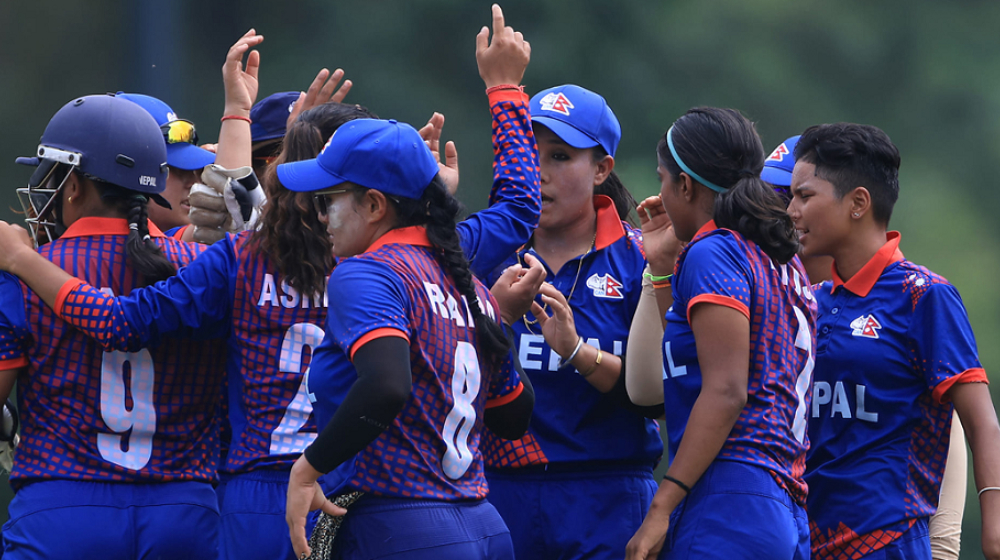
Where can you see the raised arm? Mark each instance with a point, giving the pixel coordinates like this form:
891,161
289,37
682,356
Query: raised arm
490,236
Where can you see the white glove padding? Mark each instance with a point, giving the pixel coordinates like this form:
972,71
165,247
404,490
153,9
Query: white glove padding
8,436
7,454
228,201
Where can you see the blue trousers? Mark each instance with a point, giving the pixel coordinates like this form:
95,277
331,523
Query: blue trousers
252,506
113,521
565,514
737,511
388,528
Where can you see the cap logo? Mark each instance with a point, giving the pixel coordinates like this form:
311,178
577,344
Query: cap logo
779,153
171,117
327,145
556,102
291,106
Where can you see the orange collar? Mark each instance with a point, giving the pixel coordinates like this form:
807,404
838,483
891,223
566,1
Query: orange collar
91,226
413,235
609,225
863,282
709,226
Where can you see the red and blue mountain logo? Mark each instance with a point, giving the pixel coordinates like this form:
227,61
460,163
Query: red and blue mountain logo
779,153
556,102
605,286
866,326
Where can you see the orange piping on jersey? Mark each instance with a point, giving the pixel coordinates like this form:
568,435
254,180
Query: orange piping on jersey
716,299
972,375
63,293
90,226
609,225
709,226
512,95
377,333
21,362
413,235
863,282
500,401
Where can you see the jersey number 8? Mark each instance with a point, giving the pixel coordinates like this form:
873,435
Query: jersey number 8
458,425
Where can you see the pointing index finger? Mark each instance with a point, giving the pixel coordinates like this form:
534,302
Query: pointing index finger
497,20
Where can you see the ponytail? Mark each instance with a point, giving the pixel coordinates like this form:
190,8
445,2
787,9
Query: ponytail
720,149
438,210
142,254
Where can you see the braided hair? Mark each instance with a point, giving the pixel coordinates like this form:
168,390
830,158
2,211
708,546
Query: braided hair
143,255
438,211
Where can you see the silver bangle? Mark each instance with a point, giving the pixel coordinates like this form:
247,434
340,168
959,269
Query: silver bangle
579,344
988,488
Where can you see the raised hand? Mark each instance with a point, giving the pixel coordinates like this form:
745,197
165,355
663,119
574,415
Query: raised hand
323,89
503,60
517,287
431,133
241,84
658,239
559,329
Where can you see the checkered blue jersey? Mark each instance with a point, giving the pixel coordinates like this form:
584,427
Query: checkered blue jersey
573,422
431,450
143,416
892,341
13,323
720,267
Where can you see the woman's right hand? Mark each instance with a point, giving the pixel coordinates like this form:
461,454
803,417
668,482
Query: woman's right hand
447,169
241,84
504,60
14,242
658,239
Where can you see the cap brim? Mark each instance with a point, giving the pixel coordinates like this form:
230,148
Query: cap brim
567,133
777,177
188,156
306,176
32,161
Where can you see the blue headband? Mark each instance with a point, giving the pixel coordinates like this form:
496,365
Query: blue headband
686,169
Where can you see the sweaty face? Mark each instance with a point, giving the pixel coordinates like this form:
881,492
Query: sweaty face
822,219
344,223
567,175
179,183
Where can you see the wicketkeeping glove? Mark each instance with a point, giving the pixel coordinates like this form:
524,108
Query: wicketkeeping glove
227,201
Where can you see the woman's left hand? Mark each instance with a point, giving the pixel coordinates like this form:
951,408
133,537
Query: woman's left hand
305,495
323,89
559,329
448,168
241,85
648,540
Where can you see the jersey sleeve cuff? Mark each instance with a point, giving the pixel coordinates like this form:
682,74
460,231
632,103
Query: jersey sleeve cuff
511,95
972,375
509,397
13,363
716,299
63,293
377,333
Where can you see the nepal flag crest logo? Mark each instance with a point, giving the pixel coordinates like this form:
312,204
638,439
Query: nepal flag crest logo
605,287
556,102
866,326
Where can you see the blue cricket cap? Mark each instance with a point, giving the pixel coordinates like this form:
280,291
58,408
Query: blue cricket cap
778,166
182,155
578,116
269,115
387,156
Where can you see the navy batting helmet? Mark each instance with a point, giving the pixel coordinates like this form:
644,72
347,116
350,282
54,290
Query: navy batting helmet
106,138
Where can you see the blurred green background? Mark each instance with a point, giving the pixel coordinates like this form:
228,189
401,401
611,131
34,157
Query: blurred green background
928,73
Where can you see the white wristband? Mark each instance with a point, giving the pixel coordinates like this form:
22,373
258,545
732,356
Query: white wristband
579,344
988,488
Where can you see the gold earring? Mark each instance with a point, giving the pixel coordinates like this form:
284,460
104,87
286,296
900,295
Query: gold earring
70,200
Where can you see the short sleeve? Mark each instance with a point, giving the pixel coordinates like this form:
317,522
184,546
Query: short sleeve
715,270
505,385
945,347
13,324
367,301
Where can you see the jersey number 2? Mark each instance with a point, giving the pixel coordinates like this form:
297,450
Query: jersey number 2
140,419
287,438
458,425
